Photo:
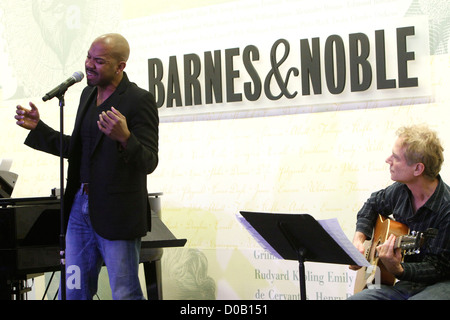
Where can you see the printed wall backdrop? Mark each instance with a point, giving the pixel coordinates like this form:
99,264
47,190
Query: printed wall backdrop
320,153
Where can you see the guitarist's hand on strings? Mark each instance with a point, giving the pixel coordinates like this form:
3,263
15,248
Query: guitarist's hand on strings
391,257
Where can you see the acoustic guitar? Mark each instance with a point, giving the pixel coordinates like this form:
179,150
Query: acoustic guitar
409,243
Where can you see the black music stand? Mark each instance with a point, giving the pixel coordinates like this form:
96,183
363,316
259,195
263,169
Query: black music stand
297,237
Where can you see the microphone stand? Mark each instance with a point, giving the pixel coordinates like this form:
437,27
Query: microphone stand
61,90
62,242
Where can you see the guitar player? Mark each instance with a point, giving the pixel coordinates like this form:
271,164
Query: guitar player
420,199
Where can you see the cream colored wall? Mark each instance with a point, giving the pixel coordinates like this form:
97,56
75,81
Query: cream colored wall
322,163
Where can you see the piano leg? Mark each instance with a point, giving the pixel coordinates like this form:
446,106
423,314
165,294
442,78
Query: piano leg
5,290
13,289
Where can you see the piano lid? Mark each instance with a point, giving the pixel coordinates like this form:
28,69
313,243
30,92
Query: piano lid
28,201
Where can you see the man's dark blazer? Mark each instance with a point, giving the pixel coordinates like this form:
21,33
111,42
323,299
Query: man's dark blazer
118,197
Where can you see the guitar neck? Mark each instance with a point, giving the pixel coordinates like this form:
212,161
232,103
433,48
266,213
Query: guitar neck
398,242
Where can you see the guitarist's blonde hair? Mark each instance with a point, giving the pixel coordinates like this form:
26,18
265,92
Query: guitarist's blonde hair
422,145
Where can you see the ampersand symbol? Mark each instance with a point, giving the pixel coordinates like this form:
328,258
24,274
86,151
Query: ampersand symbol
275,72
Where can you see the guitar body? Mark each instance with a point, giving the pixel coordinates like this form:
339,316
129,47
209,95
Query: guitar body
408,243
384,227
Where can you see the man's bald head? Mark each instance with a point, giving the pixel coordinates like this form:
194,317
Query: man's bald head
118,46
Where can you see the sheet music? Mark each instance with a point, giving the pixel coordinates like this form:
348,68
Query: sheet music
5,164
333,228
262,242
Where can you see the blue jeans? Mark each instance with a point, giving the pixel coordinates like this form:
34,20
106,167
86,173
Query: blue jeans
405,290
86,252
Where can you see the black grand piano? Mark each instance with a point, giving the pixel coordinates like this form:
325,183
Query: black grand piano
29,241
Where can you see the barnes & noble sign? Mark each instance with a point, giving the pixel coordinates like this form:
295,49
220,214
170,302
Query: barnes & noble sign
381,65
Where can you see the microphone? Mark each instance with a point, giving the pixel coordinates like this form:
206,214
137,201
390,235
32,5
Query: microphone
76,77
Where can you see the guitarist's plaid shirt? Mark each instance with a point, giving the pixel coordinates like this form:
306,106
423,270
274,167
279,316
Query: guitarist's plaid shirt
433,263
